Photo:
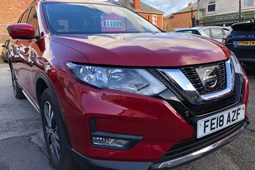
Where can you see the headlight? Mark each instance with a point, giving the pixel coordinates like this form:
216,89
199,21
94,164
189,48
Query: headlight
137,81
237,66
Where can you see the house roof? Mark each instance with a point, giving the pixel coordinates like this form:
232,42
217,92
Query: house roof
169,16
144,7
190,7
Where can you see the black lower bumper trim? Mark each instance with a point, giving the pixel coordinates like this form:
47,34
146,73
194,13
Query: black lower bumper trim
93,164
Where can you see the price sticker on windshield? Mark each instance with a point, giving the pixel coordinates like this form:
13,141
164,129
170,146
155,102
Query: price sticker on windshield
112,23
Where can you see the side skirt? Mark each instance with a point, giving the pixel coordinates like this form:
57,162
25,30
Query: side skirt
33,103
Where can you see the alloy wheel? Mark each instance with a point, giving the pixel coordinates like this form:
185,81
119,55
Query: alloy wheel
51,130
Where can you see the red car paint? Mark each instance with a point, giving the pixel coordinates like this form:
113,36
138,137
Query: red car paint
117,112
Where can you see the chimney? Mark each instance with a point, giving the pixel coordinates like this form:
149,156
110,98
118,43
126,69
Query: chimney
137,5
190,3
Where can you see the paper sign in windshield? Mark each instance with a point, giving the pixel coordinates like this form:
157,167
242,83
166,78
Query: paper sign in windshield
112,23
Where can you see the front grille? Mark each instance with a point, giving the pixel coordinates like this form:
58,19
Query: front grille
223,77
212,105
192,75
189,146
190,102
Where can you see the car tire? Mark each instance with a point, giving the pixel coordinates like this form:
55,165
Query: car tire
4,58
17,90
56,139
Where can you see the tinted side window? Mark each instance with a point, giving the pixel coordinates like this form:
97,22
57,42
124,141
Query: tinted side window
246,27
190,32
24,17
195,32
226,31
185,31
32,20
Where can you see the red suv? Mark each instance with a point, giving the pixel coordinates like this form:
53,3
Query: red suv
115,92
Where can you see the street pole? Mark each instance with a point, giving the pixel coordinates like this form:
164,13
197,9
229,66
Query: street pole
240,10
191,13
198,1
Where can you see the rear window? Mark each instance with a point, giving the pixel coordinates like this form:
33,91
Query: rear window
217,33
247,27
207,32
94,18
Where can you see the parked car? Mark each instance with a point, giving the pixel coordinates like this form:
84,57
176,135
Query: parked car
241,41
5,51
215,32
115,92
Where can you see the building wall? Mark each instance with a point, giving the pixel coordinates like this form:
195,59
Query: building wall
182,20
148,17
9,13
227,12
225,6
167,24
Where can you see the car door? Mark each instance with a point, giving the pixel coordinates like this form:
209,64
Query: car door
18,54
25,53
34,50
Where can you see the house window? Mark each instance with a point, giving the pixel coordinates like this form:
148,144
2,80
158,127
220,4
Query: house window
211,5
248,2
154,19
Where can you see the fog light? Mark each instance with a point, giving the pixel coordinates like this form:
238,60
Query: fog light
109,142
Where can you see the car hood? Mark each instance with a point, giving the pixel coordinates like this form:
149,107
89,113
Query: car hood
147,49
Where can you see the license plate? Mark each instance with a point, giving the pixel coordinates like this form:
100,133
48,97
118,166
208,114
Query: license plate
220,121
246,43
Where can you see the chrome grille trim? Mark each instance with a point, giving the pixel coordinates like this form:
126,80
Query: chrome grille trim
230,74
185,87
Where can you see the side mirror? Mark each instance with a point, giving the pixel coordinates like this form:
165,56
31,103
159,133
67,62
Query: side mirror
21,31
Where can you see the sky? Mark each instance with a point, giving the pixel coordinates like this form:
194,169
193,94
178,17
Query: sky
168,6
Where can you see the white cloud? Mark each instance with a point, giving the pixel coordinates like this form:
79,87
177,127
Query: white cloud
168,6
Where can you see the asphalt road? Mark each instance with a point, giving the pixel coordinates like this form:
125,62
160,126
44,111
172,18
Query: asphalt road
22,144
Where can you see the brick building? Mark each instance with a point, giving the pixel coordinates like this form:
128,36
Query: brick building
10,13
184,18
151,14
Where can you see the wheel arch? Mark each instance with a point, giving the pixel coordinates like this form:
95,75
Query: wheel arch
43,83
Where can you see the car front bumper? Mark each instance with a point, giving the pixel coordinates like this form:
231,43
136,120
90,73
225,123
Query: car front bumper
163,128
93,164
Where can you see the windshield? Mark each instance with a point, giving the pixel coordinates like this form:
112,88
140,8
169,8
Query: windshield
94,18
